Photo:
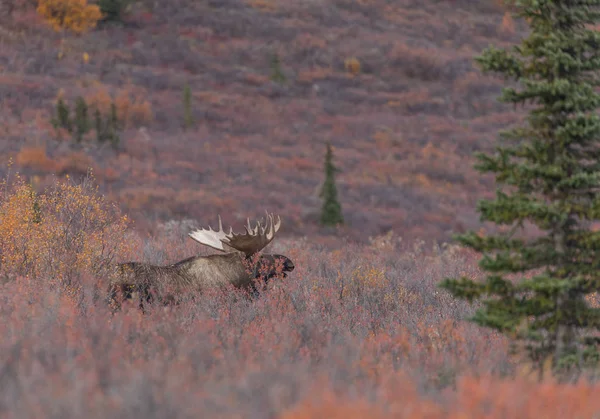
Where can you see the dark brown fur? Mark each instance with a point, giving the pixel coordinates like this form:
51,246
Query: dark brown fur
147,283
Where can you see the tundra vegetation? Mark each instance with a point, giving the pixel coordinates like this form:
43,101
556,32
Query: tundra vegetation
347,333
362,330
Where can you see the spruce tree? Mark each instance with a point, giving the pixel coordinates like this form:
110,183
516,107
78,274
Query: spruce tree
62,119
99,125
277,74
113,10
188,116
112,126
37,211
81,121
331,211
548,174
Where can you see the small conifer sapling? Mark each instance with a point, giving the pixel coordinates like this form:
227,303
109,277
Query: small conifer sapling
277,74
113,126
331,210
62,118
187,107
81,122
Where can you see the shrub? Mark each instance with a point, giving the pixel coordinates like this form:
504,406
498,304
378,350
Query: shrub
352,65
61,233
99,99
75,15
35,158
132,108
77,162
8,7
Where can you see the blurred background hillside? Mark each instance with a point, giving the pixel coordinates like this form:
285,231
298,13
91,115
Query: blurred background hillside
390,84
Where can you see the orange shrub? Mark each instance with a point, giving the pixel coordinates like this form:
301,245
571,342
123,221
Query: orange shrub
36,158
418,63
132,108
508,24
352,65
263,5
99,99
76,162
75,15
67,230
306,42
314,74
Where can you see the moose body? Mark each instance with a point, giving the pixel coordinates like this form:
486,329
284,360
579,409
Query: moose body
195,274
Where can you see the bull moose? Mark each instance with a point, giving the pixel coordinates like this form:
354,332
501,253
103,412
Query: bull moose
239,267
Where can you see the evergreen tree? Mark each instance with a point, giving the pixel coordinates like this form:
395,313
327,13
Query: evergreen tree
62,118
81,122
113,10
37,211
99,126
331,211
277,74
548,175
112,126
188,116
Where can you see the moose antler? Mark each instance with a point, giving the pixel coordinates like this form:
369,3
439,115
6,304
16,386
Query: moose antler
210,237
250,242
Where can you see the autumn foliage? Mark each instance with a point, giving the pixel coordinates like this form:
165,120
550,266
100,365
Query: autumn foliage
362,331
133,108
59,234
358,332
75,15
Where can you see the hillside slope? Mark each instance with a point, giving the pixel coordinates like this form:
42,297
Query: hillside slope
403,128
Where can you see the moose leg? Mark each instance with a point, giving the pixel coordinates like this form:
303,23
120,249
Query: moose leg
113,299
117,294
145,296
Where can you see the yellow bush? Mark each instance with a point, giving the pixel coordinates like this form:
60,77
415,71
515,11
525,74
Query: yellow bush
352,65
75,15
364,279
58,235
